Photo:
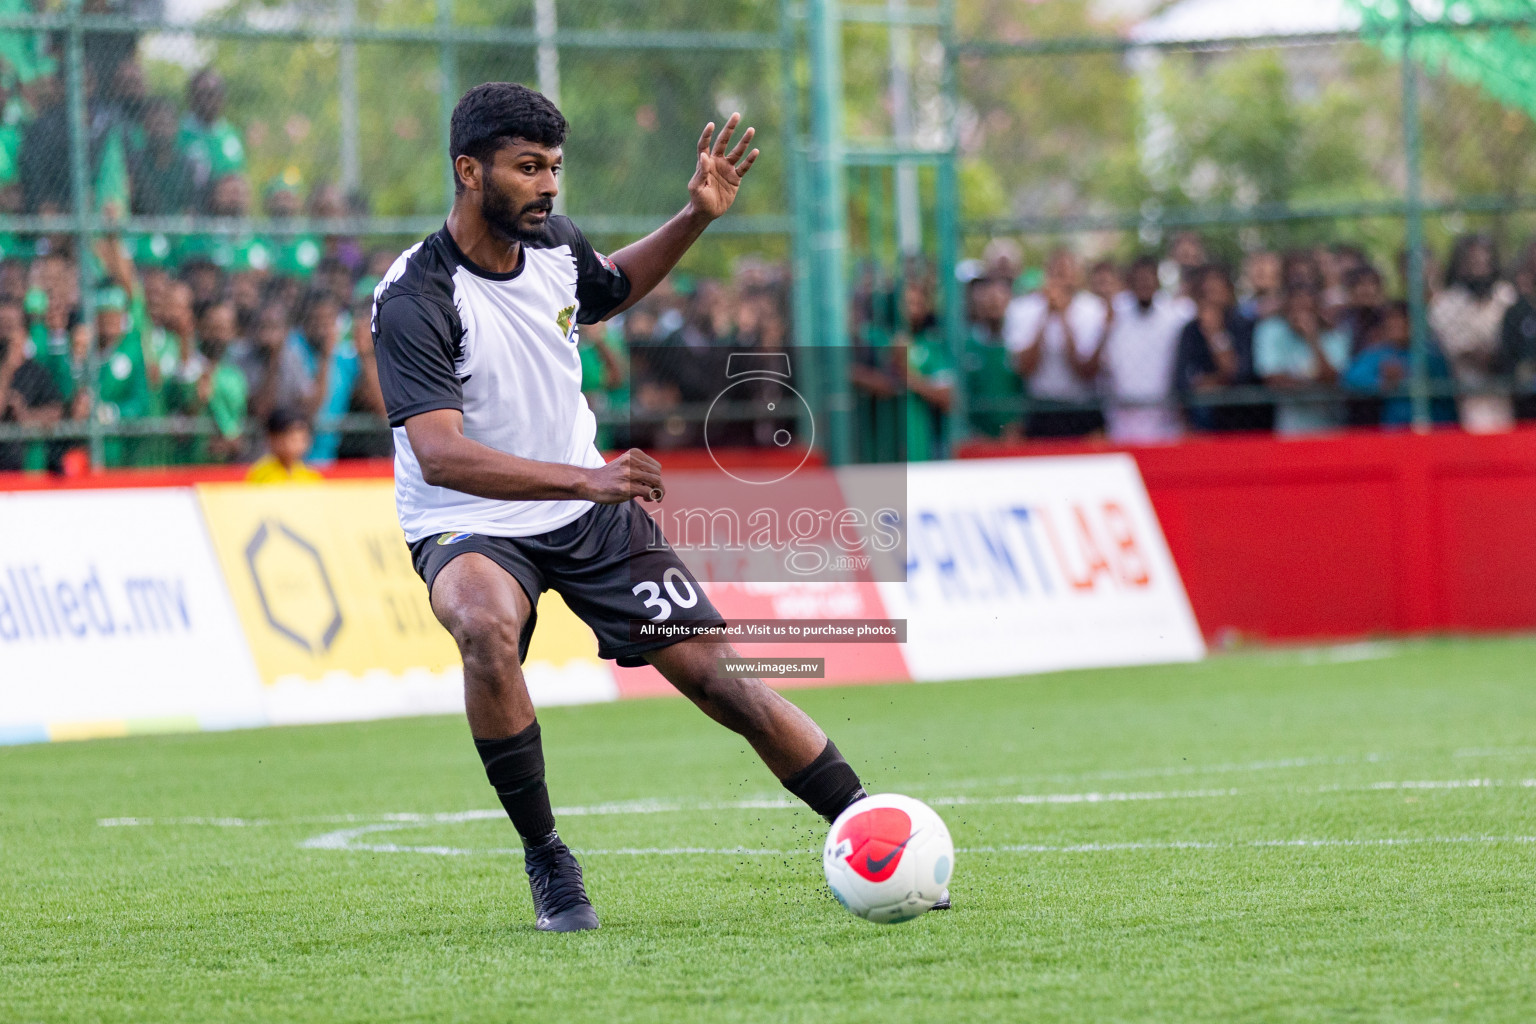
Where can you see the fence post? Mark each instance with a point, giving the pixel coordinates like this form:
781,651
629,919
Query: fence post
951,300
80,182
909,210
1418,350
351,176
829,243
802,298
544,24
448,76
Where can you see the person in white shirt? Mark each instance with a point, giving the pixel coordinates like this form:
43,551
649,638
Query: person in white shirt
1468,318
1138,356
1055,337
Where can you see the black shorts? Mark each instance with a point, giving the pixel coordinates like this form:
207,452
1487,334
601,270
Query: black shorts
612,566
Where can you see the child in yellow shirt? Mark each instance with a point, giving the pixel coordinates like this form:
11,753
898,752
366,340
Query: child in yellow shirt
288,440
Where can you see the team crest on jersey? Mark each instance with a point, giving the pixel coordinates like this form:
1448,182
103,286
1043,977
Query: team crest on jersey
564,318
608,264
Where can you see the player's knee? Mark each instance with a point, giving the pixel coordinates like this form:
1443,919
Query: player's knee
485,634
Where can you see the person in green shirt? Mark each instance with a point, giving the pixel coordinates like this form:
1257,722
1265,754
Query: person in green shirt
56,347
230,197
212,144
11,198
128,379
993,386
164,177
292,255
908,371
929,373
212,385
121,390
156,350
604,381
23,55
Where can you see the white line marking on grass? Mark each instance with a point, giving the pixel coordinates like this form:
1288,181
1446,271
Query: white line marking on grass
643,807
1336,654
317,819
1256,844
354,838
1166,772
1034,799
1445,784
657,806
347,839
1495,752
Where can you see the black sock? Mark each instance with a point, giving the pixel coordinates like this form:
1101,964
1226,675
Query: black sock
828,784
515,766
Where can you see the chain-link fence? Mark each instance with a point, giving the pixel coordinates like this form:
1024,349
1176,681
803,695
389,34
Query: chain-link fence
196,201
1245,217
1002,220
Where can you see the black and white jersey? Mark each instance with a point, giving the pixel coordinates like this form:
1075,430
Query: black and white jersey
502,349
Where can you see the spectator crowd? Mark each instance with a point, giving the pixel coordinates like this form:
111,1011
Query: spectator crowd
1300,342
265,335
1305,341
231,326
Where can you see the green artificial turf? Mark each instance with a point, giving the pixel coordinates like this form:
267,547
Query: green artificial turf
1335,835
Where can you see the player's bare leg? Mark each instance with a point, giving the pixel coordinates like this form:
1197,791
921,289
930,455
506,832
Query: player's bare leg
485,610
792,746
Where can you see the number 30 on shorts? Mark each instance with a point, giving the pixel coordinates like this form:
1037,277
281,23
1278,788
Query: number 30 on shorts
670,579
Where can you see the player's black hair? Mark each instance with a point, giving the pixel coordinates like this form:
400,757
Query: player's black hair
490,115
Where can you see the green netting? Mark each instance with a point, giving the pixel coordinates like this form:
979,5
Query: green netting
1500,60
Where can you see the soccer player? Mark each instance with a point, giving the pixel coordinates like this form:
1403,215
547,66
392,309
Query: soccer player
499,488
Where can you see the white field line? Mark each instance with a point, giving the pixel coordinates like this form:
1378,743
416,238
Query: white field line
641,807
657,806
1033,799
1172,771
1335,654
346,840
353,838
1254,844
1495,752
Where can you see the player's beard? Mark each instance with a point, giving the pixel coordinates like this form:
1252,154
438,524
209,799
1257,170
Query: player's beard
505,219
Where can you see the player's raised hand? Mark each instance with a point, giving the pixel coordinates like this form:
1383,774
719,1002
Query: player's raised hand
632,475
712,189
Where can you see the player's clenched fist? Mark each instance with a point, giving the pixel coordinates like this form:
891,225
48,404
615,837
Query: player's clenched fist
632,475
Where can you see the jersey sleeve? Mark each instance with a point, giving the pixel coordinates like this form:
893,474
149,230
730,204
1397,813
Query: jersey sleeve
601,287
415,345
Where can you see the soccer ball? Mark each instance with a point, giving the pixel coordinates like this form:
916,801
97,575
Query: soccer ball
888,858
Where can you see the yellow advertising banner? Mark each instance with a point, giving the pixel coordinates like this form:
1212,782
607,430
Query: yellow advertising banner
322,580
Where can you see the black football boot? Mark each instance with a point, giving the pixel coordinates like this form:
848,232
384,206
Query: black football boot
560,901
